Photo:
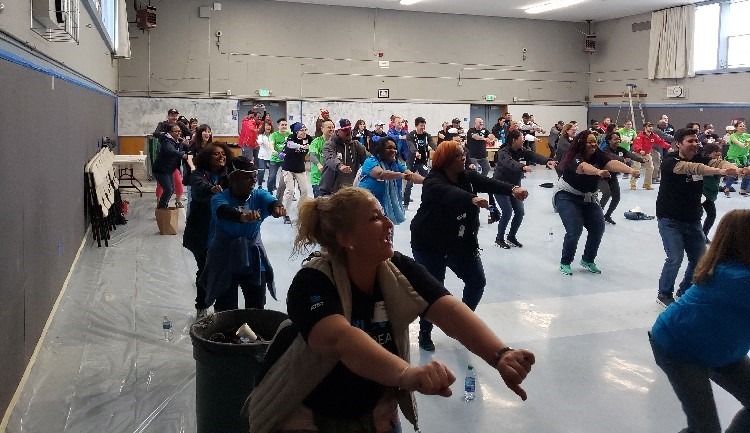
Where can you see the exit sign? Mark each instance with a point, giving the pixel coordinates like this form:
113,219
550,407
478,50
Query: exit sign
489,98
264,93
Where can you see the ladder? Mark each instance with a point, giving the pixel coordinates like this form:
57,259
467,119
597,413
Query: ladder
630,93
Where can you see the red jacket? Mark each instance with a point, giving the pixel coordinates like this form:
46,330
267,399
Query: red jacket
249,133
645,142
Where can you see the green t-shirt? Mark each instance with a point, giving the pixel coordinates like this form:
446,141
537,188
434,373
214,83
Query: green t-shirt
278,142
738,153
627,137
316,148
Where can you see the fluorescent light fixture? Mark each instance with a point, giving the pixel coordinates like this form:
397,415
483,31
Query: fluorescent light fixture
409,2
549,5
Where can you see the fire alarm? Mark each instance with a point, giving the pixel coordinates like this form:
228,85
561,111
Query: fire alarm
380,54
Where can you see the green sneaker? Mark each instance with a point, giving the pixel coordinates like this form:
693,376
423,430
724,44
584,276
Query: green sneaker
565,269
591,267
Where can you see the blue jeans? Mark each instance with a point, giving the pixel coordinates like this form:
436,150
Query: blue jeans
575,215
680,237
467,267
273,168
692,385
167,183
316,191
263,164
509,205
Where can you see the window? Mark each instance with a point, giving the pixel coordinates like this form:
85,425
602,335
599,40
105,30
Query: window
722,36
104,14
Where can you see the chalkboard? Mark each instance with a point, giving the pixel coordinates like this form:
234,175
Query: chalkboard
139,116
434,114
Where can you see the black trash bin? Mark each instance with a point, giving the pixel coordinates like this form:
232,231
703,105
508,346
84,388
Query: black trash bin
225,373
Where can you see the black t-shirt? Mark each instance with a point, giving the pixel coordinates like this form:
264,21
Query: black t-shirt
477,148
679,195
294,159
585,182
422,148
312,297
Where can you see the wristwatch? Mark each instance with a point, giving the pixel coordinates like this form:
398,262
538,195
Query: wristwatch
499,354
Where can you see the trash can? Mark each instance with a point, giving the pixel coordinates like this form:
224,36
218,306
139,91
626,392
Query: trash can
225,373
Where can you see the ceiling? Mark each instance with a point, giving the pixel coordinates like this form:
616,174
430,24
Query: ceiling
596,10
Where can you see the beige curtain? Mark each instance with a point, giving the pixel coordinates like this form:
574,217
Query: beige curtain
670,53
122,44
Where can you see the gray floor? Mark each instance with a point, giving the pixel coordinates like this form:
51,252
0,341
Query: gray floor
104,366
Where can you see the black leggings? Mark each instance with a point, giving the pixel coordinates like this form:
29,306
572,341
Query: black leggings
610,188
200,297
710,208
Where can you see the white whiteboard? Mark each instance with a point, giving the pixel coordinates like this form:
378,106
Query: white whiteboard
139,116
434,114
547,115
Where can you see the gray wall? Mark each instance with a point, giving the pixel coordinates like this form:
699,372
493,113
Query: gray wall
302,51
90,58
51,117
622,57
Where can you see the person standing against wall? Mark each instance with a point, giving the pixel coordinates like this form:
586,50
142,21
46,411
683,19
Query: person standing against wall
248,139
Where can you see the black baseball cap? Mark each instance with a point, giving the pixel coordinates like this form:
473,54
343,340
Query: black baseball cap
345,124
173,111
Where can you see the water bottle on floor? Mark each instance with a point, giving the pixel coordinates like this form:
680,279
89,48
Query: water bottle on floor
470,384
166,325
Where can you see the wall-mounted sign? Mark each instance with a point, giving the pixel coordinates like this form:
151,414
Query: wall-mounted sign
264,93
383,93
384,64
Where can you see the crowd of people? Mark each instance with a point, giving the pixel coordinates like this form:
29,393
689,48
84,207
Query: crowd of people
351,303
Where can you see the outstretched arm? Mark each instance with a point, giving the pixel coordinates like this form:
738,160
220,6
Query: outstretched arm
459,322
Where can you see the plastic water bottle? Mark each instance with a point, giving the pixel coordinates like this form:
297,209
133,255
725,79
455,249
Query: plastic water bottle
551,235
470,384
166,325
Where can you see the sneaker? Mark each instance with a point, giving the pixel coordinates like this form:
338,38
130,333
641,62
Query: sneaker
287,220
633,187
183,198
591,267
179,204
501,243
201,313
609,220
665,299
512,241
565,269
647,187
425,343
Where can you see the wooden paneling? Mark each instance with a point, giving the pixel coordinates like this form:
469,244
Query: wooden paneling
132,145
